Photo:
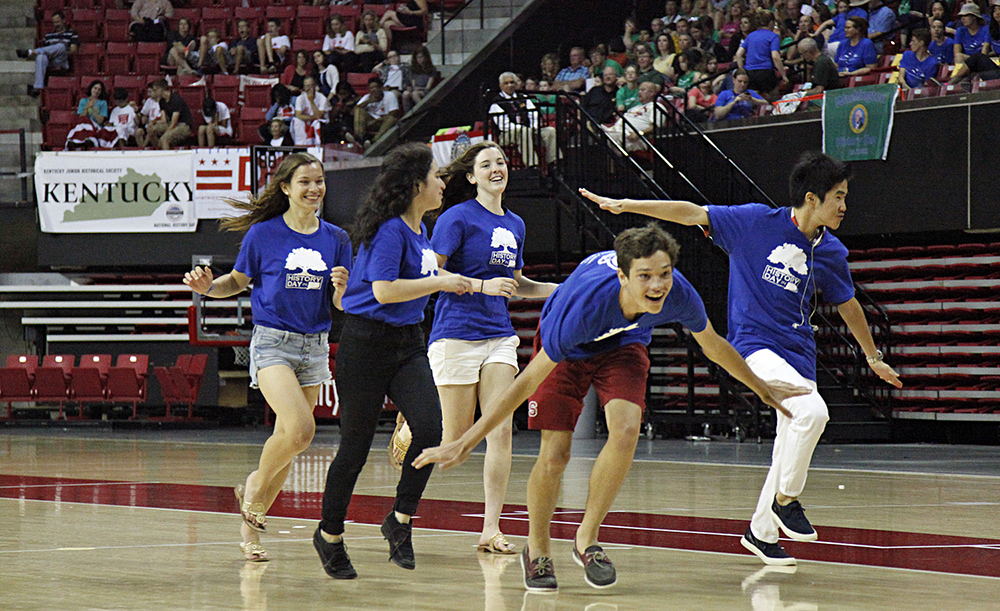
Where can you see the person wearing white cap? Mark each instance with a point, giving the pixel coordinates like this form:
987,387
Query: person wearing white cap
979,63
971,37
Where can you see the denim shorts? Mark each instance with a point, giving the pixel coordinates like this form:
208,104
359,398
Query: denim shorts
307,355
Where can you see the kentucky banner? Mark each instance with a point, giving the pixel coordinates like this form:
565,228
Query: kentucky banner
115,191
449,143
857,122
220,174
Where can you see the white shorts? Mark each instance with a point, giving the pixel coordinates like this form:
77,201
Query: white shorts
458,361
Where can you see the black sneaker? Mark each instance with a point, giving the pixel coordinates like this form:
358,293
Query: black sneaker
22,53
792,520
770,553
336,562
400,538
539,574
598,571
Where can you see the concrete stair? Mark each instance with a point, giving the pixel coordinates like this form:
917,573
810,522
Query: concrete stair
18,110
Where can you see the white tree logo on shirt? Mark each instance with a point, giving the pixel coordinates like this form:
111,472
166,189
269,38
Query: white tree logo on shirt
503,239
616,331
428,262
791,258
304,259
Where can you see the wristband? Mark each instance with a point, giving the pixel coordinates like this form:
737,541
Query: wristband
482,287
210,287
875,359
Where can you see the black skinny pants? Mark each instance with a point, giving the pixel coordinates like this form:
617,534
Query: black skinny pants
374,360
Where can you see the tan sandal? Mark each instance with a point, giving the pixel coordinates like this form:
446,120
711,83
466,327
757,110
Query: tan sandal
254,552
398,448
498,544
252,513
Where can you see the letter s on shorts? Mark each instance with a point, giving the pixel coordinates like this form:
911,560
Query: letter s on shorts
532,409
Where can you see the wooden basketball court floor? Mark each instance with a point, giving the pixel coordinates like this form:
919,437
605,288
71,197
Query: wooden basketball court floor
107,519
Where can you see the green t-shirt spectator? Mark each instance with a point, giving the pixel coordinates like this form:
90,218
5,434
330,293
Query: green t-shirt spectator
597,71
626,97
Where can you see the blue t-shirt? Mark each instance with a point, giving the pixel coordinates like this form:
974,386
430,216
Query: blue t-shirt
945,51
102,108
972,44
395,252
851,58
740,110
773,272
480,245
917,72
583,317
758,46
838,35
291,273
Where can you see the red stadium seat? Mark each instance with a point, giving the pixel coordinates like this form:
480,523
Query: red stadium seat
51,386
257,96
250,119
147,59
308,45
351,16
27,362
254,17
359,81
57,128
87,22
116,22
978,85
15,385
217,18
193,15
310,21
62,361
61,93
87,60
100,362
119,58
226,89
135,85
863,80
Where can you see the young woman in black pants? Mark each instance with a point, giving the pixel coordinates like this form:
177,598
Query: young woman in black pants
382,348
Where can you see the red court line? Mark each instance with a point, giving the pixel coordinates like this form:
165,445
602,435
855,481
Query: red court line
928,552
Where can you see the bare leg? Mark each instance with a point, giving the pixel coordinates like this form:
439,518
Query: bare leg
494,378
201,135
612,465
210,132
238,55
543,489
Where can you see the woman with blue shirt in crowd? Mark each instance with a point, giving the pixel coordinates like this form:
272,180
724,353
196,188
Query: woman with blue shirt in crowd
979,63
382,350
942,46
759,54
845,9
971,37
857,54
917,65
473,346
300,265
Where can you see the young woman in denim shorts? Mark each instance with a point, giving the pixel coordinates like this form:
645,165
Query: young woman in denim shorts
300,265
382,349
473,346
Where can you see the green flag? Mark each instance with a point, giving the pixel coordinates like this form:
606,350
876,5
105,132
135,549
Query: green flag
857,122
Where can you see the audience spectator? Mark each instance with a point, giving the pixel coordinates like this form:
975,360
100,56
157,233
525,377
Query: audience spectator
272,47
656,27
971,37
93,113
149,20
644,63
701,32
836,25
370,43
327,76
979,63
281,105
664,53
640,119
244,47
122,120
176,126
214,54
912,14
746,26
684,72
600,101
375,113
628,92
738,102
574,77
338,44
803,31
406,15
670,15
311,109
341,113
760,56
940,9
631,33
517,119
149,114
856,55
181,48
295,75
795,9
819,70
55,48
278,131
942,46
881,19
918,65
599,61
731,21
550,67
685,9
701,101
217,122
721,79
425,75
545,99
397,78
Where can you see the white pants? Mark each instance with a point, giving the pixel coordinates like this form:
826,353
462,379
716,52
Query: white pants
794,443
523,137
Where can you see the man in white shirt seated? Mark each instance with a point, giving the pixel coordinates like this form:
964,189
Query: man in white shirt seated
639,117
516,117
375,112
311,110
272,47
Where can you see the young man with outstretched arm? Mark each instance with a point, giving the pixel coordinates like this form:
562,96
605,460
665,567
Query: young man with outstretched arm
778,259
594,330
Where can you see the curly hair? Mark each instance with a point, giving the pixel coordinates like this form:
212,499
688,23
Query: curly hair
272,201
459,189
642,242
402,172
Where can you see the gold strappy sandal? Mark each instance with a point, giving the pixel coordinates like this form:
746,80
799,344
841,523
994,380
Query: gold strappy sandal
252,513
254,552
498,544
398,448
